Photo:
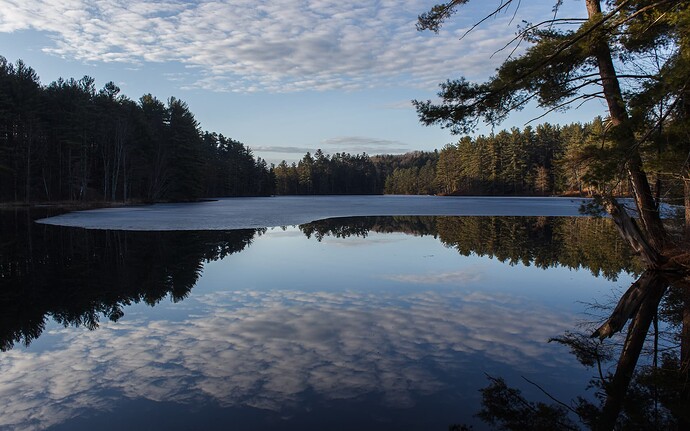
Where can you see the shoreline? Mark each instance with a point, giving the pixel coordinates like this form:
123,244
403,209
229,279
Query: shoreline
229,214
92,205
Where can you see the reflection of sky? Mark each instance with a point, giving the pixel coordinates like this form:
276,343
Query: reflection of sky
290,320
393,261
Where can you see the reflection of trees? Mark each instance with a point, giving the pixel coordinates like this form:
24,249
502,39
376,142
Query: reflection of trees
545,242
639,305
652,396
632,393
574,242
345,227
76,275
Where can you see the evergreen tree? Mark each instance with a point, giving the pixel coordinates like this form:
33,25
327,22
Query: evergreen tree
184,142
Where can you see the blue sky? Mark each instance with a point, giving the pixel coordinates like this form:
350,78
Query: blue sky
282,76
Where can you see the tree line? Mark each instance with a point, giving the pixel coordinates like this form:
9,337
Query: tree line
68,141
320,174
543,160
343,173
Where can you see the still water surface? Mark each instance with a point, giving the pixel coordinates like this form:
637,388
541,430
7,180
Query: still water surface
369,323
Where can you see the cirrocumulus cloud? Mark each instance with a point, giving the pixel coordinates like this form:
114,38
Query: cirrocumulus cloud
260,45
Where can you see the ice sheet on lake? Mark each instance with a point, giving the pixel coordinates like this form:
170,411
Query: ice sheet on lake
247,213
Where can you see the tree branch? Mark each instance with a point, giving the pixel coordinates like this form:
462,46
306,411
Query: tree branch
523,33
480,98
549,395
645,9
584,97
492,14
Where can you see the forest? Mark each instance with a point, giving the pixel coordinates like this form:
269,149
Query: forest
68,141
544,160
343,173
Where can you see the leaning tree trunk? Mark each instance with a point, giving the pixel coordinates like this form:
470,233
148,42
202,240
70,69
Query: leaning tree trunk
631,233
684,420
625,138
640,303
637,294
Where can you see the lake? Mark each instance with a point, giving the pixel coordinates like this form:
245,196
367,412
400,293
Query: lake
244,314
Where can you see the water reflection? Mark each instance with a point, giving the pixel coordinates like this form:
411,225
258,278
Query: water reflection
546,242
641,381
398,358
282,351
74,276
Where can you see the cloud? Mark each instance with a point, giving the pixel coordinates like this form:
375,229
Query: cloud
458,277
357,242
262,45
272,349
277,149
402,105
360,144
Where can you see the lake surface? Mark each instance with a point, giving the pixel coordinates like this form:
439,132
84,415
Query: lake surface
374,323
250,213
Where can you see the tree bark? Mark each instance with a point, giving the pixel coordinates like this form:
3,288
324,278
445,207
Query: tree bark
651,287
642,192
630,231
686,193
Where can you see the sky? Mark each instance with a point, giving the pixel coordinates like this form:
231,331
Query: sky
284,76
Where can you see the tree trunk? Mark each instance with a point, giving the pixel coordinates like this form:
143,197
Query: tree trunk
124,178
29,141
651,287
627,305
631,233
684,421
686,190
625,138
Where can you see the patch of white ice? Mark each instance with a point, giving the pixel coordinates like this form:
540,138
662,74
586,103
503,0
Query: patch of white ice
249,213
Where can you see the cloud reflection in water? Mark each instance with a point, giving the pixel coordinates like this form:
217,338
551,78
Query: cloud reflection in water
267,349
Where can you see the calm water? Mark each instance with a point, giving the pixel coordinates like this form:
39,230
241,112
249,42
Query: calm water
369,323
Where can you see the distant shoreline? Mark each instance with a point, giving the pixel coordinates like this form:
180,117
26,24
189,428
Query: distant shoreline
251,213
92,205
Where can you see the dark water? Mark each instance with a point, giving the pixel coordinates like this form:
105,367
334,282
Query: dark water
372,323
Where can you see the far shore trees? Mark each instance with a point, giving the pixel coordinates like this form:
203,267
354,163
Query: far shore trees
68,141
